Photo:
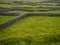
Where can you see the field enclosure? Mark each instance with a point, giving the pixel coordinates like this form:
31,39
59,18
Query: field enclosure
33,22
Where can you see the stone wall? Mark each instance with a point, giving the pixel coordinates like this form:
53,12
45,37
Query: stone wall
9,14
23,16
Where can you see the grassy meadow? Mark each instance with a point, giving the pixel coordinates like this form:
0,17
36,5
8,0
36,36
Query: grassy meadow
6,5
49,12
33,30
6,18
21,0
17,11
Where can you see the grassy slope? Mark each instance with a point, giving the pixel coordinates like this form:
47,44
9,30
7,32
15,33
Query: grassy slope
5,5
33,30
17,11
48,12
21,0
5,18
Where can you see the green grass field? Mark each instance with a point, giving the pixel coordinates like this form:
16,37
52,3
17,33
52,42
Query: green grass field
33,30
47,12
25,5
31,7
21,0
17,11
6,18
6,5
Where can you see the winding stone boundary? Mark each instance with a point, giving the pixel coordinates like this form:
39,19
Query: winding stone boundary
2,9
22,9
5,3
9,14
23,16
12,21
37,14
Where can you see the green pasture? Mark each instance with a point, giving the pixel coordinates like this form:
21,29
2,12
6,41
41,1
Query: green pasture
33,30
25,5
17,11
6,5
6,18
47,12
52,6
21,0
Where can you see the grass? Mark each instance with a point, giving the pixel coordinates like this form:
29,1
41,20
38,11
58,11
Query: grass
33,7
5,5
55,12
32,30
5,18
52,6
25,5
20,0
38,8
17,11
47,12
